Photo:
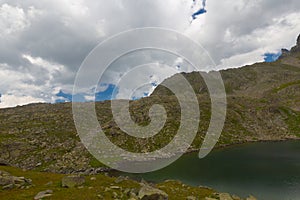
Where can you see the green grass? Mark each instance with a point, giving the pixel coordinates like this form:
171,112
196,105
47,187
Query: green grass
177,190
292,120
286,85
95,163
92,188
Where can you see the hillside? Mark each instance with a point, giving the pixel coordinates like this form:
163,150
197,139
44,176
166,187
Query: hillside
263,104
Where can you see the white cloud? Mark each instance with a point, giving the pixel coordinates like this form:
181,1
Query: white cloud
12,20
239,32
13,100
143,79
44,42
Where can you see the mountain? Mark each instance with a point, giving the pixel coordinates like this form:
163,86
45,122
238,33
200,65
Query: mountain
263,104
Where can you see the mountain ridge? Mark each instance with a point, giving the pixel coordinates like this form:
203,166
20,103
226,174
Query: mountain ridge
263,104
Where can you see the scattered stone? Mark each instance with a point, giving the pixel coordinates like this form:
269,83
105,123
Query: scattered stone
251,198
18,180
28,186
73,181
93,178
38,164
208,198
49,183
127,191
3,162
133,193
225,196
191,198
150,193
43,194
120,179
234,197
115,187
7,181
115,195
8,187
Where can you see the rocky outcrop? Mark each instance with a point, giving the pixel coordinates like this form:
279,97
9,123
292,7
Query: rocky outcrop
296,49
284,53
72,181
150,193
7,181
226,196
43,194
251,198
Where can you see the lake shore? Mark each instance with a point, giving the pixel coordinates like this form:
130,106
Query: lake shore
224,146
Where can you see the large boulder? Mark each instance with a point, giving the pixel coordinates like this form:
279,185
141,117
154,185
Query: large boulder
8,181
251,198
150,193
72,181
225,196
43,194
5,178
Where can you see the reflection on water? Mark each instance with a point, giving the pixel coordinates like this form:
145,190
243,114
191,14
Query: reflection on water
268,170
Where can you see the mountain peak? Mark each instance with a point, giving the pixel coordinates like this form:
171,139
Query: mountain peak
293,50
297,47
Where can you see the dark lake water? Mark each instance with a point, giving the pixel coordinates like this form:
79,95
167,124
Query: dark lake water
269,171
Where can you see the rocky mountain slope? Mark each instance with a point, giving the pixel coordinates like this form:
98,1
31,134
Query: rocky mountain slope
263,104
16,184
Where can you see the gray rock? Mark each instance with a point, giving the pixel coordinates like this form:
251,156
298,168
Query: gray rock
49,183
19,180
150,193
120,179
8,187
225,196
72,181
115,187
3,162
251,198
5,180
234,197
43,194
114,195
191,198
8,181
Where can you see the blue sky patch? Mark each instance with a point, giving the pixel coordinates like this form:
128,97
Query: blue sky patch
108,94
271,57
199,12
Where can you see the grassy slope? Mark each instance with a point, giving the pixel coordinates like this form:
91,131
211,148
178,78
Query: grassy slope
92,188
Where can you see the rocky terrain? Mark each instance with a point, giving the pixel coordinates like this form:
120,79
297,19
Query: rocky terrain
39,185
263,104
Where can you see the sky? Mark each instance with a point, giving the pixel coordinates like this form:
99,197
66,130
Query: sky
43,43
